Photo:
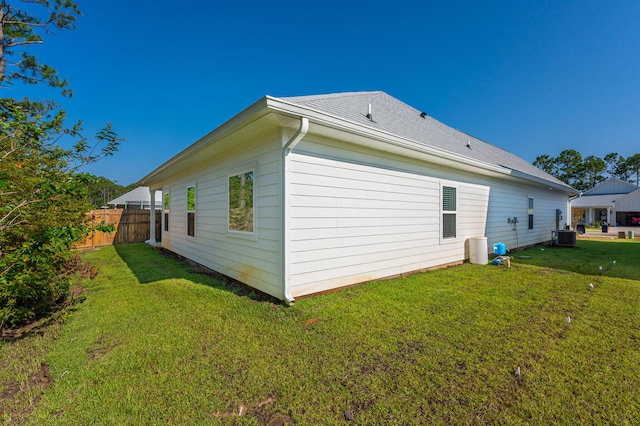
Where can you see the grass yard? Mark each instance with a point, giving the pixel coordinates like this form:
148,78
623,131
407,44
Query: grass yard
154,343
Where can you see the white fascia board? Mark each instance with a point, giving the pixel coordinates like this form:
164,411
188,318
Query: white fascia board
247,116
549,184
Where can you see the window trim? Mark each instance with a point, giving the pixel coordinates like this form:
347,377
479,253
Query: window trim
249,168
191,211
443,212
530,213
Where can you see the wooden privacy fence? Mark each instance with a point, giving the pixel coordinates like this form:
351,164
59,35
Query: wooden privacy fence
131,225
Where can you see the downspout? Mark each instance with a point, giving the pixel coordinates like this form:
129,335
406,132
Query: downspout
297,137
286,181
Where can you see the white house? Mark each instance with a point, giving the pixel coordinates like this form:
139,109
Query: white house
300,195
139,198
613,201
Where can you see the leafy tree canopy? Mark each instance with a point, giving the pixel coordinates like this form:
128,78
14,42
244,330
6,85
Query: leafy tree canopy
24,24
584,173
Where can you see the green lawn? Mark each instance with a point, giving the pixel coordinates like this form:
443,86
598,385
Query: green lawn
154,343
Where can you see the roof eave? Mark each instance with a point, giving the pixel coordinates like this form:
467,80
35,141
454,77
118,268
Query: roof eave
369,132
249,114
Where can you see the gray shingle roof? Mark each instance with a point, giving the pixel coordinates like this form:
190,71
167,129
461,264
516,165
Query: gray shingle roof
394,116
595,200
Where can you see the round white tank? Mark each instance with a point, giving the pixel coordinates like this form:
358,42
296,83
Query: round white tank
478,252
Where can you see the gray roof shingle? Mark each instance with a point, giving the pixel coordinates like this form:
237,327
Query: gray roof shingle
394,116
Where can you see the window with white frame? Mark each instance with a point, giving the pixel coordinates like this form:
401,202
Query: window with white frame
241,202
530,212
165,207
449,212
191,211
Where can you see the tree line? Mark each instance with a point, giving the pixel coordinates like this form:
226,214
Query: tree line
585,173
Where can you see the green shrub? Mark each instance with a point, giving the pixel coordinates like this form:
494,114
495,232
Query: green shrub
43,205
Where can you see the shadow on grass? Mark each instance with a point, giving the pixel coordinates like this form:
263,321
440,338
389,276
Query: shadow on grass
612,258
149,265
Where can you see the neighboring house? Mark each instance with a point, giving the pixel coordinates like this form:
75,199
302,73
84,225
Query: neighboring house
139,198
300,195
614,201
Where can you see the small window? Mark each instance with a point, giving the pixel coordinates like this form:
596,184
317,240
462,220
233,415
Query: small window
241,211
449,212
530,212
165,206
191,211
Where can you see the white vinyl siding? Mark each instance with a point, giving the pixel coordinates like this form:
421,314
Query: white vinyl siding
506,201
353,214
354,222
254,261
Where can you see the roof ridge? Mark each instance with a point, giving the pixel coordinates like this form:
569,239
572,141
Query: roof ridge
333,95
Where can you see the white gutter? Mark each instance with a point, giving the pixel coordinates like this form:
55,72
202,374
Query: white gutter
286,182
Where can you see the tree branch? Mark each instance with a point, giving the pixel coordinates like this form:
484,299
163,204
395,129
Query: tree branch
23,43
22,204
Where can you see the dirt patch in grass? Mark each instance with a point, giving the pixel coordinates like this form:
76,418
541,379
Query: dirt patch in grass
15,390
12,388
100,349
261,411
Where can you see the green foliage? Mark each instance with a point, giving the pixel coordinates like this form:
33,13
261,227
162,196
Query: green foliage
191,198
43,200
593,168
584,174
22,27
241,202
43,205
545,162
632,165
101,190
165,201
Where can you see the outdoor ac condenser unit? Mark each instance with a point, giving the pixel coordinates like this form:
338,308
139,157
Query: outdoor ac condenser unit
563,238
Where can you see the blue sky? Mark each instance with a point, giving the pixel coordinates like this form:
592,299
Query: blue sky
530,77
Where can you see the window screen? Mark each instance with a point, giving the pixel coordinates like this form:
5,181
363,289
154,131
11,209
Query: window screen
449,212
448,198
